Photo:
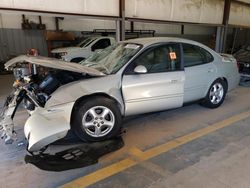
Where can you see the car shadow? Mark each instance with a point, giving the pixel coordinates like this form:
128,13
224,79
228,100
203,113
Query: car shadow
83,155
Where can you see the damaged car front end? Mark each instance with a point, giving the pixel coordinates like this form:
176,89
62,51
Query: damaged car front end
36,78
54,92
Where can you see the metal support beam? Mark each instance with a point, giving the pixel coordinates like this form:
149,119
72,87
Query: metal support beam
122,20
182,29
219,40
132,26
235,32
225,23
169,22
118,32
57,23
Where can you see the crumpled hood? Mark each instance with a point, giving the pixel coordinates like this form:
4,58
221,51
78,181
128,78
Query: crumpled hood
66,49
52,63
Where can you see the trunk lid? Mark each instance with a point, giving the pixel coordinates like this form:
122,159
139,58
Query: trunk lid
227,58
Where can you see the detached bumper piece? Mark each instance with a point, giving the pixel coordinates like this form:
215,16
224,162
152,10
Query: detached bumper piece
77,157
7,115
7,128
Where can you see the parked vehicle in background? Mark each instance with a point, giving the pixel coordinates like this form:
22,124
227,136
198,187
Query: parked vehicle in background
128,78
243,58
84,49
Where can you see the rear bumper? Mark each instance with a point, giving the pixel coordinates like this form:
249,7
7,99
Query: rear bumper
44,127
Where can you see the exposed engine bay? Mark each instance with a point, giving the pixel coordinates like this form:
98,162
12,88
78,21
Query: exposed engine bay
33,86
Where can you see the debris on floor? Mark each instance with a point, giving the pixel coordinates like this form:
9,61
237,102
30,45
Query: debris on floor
84,155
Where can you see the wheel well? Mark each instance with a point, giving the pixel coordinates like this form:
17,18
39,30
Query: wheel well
79,100
225,80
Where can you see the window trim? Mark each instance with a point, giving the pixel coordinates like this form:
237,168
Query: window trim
198,47
152,47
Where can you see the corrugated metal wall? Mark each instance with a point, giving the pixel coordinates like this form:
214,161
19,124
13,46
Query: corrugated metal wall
102,7
14,42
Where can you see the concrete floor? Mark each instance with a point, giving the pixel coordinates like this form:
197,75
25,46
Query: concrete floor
217,159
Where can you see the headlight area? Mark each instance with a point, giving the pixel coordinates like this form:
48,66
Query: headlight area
59,55
63,54
45,126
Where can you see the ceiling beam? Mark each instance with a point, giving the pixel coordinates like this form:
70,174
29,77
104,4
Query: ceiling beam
226,12
169,22
122,20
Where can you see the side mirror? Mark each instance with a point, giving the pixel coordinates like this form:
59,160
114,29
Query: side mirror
140,69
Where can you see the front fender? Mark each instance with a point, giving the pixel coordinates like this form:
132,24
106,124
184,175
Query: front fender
45,126
107,85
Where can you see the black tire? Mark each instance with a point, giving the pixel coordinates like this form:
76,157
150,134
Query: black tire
77,60
207,101
83,107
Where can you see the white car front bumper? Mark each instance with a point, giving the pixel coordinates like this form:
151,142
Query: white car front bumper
45,126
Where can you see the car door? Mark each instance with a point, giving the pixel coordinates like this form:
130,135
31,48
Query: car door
200,72
161,87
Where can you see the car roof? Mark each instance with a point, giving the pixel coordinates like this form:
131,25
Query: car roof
100,37
153,40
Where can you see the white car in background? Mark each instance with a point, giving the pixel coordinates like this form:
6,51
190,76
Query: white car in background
84,49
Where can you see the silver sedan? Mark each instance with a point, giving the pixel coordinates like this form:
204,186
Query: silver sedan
132,77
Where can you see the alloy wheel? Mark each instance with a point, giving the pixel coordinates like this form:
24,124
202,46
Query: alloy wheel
98,121
216,93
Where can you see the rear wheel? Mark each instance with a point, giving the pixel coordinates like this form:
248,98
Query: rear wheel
216,94
96,119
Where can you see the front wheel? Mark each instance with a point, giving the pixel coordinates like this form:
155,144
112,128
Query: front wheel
96,119
216,94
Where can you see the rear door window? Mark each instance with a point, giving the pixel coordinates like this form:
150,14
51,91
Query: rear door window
195,55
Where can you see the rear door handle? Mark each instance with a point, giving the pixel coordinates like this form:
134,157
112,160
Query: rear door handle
210,70
173,81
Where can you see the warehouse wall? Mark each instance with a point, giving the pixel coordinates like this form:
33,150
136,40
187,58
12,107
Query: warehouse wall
13,21
100,7
198,11
239,14
242,37
15,41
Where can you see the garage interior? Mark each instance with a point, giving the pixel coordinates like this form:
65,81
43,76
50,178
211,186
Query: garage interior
190,146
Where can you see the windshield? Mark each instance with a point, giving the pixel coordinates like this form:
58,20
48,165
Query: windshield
111,59
85,42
